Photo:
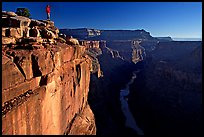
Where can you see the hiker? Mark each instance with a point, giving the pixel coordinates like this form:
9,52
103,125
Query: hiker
48,12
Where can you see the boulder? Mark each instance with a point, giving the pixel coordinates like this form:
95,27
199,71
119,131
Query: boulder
9,13
12,14
72,41
15,32
84,124
8,40
4,32
19,21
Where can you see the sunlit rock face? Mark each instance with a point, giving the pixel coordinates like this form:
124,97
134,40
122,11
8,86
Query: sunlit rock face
45,83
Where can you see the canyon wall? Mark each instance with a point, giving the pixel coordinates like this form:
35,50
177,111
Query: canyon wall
166,97
104,91
45,82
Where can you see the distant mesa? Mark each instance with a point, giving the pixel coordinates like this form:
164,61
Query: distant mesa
108,35
164,39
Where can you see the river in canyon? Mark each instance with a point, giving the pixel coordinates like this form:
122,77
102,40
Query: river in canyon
130,121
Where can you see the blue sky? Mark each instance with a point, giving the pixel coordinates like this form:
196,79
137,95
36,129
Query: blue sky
175,19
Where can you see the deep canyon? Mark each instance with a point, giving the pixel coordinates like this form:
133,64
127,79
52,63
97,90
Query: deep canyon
51,85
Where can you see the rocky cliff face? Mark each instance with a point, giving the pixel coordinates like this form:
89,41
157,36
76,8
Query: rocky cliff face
166,97
104,91
128,50
45,83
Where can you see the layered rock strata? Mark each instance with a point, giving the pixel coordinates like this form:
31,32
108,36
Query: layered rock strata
45,84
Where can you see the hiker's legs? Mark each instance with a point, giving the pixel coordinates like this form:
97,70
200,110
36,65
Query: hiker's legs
48,16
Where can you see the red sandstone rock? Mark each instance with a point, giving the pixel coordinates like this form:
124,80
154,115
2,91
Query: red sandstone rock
12,14
33,40
59,39
5,59
36,23
4,32
84,124
10,93
43,61
26,31
56,76
19,21
72,41
67,54
24,61
11,75
48,23
55,103
45,33
15,32
8,40
34,32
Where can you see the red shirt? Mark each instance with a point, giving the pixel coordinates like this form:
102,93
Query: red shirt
48,9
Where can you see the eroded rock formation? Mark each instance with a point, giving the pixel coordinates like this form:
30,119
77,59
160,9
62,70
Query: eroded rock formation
168,90
45,83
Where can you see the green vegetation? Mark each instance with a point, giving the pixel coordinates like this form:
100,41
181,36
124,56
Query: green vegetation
23,12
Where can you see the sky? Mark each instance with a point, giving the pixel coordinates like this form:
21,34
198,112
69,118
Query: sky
174,19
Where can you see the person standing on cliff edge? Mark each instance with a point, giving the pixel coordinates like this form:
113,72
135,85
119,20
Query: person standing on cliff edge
48,12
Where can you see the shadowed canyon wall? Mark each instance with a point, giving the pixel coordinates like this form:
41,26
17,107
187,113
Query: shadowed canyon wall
166,97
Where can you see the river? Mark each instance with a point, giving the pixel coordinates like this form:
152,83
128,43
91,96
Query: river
130,121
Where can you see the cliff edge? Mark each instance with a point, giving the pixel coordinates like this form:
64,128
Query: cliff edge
45,82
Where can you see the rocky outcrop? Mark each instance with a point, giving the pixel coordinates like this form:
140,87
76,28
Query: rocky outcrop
84,123
72,41
25,30
45,84
90,44
130,51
